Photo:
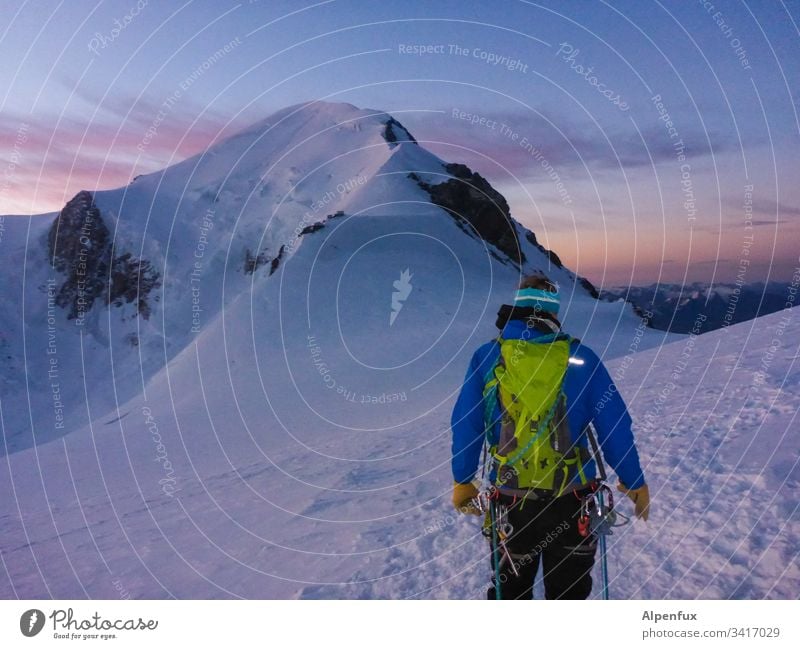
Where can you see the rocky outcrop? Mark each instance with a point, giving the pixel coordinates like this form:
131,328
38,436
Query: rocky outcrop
589,287
556,261
253,262
553,257
314,227
273,266
80,249
131,281
395,132
477,207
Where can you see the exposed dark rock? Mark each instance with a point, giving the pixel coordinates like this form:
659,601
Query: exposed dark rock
132,280
462,171
556,261
253,262
79,248
276,262
552,256
477,207
395,132
589,287
312,228
79,245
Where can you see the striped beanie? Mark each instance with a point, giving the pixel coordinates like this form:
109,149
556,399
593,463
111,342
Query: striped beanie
538,299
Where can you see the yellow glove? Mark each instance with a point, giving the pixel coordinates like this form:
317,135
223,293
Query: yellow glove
640,498
462,498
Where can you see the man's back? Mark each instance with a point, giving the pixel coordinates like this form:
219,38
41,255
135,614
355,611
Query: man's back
591,396
494,411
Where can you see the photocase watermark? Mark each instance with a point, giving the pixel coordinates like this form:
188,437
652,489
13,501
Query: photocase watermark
441,524
66,626
10,171
476,119
627,360
52,368
744,258
81,268
168,482
319,207
488,57
31,622
520,140
122,592
402,289
727,31
760,375
101,41
520,560
317,358
195,276
169,103
421,50
687,186
652,419
569,54
312,220
520,345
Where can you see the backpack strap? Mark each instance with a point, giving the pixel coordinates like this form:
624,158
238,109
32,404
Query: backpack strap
553,337
490,383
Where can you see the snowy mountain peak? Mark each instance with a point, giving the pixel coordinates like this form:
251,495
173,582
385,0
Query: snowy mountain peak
305,220
273,181
296,125
309,119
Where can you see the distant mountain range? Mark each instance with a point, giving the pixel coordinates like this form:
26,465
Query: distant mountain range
700,307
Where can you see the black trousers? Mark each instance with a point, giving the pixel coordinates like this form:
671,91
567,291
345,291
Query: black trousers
545,531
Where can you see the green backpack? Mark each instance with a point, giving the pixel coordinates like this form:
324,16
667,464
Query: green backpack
534,449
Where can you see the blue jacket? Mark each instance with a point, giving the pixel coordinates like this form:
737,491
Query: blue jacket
591,397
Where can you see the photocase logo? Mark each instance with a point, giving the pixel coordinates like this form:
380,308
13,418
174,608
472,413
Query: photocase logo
31,622
402,290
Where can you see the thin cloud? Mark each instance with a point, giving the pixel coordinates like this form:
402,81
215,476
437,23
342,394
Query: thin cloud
51,158
503,139
767,206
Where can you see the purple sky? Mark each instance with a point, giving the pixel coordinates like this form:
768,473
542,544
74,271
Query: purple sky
564,107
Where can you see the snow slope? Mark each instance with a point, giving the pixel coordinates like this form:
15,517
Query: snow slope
271,502
285,440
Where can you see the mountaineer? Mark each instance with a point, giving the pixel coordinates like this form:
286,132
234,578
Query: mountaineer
533,397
